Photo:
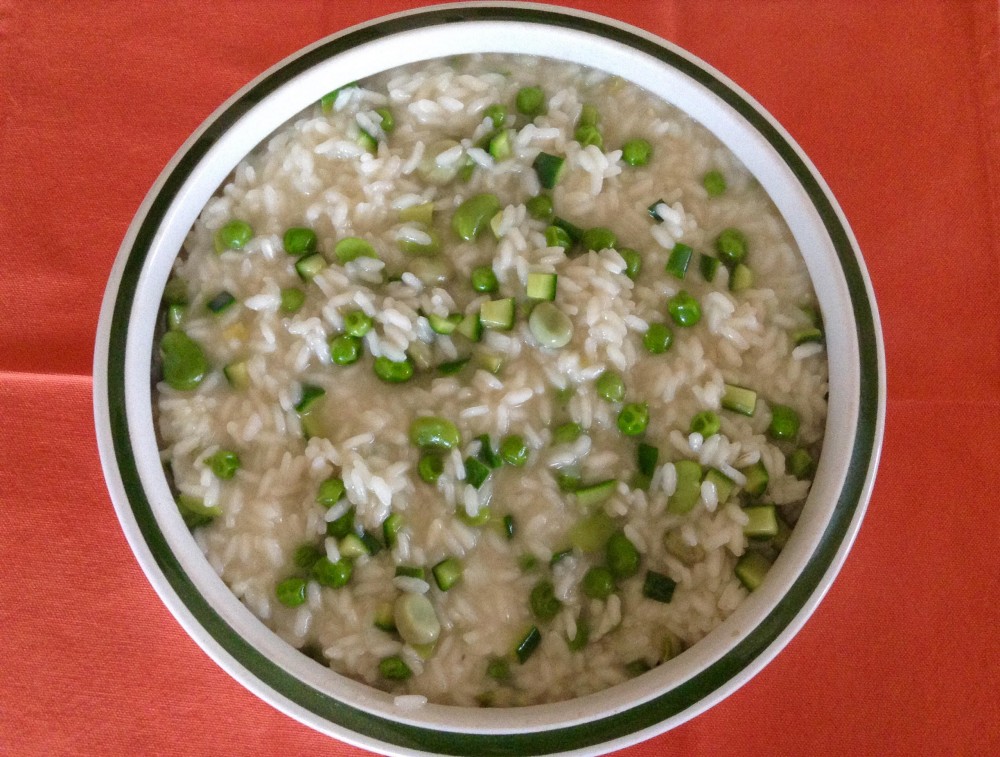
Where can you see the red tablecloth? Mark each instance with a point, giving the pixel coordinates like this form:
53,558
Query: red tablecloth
896,103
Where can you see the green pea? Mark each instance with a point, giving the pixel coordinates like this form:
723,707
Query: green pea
233,236
484,280
430,467
784,422
637,152
550,326
658,338
332,574
432,432
714,183
684,309
497,114
540,207
394,669
291,592
610,386
224,464
705,423
530,101
345,349
498,669
352,248
587,134
473,215
330,492
292,299
633,418
556,236
184,363
357,323
731,245
566,433
598,583
633,261
545,605
513,450
299,240
622,556
598,238
393,372
342,526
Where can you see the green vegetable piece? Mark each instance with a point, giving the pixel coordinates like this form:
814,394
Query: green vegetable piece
598,582
484,280
431,432
471,327
352,547
447,573
550,326
430,467
393,372
658,338
751,569
705,423
610,386
367,141
184,363
309,265
739,399
498,669
499,147
306,556
497,314
175,292
330,492
394,669
195,512
800,464
591,533
566,433
476,472
807,335
345,349
486,452
679,260
637,152
224,464
328,100
292,299
575,232
731,245
545,605
757,479
530,101
540,207
176,315
388,120
299,240
334,575
422,213
233,236
688,490
352,248
579,641
391,527
590,496
675,544
784,422
342,526
598,238
411,571
648,456
549,168
452,367
357,323
444,324
762,522
509,526
237,374
708,266
633,418
684,309
221,302
633,261
473,215
416,620
527,645
310,396
622,556
541,286
587,134
714,183
740,278
291,592
514,450
724,486
556,236
481,518
383,619
497,114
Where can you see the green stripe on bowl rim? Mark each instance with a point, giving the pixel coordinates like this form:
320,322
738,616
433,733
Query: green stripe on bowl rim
642,716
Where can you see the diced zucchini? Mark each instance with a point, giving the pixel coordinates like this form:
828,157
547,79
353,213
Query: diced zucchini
549,169
452,367
740,278
658,587
780,539
688,490
444,324
800,464
384,619
490,361
422,213
751,569
509,526
648,456
574,232
679,260
447,573
762,523
589,497
309,265
471,327
481,518
708,265
391,527
527,644
476,472
175,316
221,302
352,547
499,146
653,210
541,286
310,396
497,314
724,485
593,532
804,336
739,399
411,571
237,374
757,479
675,544
486,452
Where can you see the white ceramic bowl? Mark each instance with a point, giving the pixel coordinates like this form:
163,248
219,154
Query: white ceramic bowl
673,692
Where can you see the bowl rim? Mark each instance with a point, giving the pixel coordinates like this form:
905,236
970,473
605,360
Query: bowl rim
407,735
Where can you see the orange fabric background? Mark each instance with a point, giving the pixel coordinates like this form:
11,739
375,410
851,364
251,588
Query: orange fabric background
898,105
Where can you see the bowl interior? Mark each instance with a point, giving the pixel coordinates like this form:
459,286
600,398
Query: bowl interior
274,670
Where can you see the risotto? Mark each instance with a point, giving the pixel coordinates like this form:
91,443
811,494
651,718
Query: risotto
491,381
